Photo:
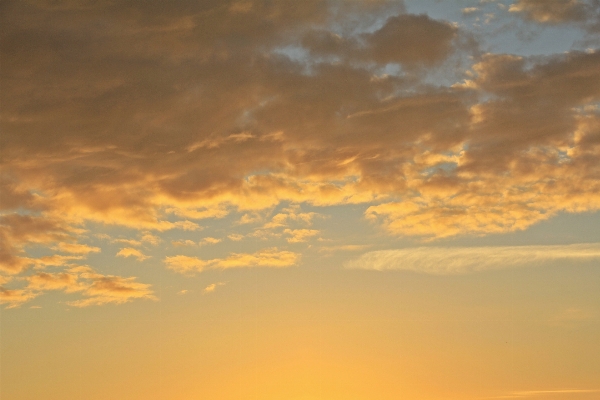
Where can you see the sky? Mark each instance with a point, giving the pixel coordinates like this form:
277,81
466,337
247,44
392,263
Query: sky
300,200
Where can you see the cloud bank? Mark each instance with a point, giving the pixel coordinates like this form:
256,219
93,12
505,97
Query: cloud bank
162,117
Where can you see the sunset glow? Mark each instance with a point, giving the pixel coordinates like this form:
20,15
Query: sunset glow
300,200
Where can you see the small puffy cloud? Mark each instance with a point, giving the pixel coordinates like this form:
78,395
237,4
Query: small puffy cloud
183,243
182,292
300,235
270,258
463,260
130,242
131,252
209,240
185,264
150,238
470,10
76,248
187,225
290,215
236,237
250,218
15,297
68,282
52,261
212,287
552,11
111,289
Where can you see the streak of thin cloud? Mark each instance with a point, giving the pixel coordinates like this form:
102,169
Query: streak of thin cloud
462,260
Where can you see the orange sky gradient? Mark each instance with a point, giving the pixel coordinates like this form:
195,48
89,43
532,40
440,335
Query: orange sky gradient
300,200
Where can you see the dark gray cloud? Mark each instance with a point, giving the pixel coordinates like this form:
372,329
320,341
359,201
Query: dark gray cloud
133,113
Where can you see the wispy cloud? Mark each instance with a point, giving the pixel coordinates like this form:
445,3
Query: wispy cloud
209,240
212,287
131,252
95,288
462,260
272,258
537,393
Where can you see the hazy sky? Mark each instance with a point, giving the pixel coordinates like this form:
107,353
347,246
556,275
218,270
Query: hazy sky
333,200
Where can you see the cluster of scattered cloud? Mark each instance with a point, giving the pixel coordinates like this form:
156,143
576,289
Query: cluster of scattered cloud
560,11
95,288
271,257
156,117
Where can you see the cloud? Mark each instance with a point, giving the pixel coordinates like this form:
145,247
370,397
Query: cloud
76,248
212,287
271,258
554,11
95,288
469,10
17,231
111,289
187,225
236,237
300,235
150,238
342,247
209,240
15,297
183,243
130,242
113,126
463,260
131,252
537,393
65,281
392,43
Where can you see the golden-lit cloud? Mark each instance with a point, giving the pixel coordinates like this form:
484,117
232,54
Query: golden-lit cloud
15,297
94,288
552,11
113,290
77,248
183,243
504,142
212,287
462,260
131,252
209,240
300,235
271,258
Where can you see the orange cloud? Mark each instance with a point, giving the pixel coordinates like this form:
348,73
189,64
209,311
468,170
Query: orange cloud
131,252
513,144
95,288
271,258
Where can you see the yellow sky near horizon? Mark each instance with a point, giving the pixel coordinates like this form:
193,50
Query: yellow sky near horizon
252,199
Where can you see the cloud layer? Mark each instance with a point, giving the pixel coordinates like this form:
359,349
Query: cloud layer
155,118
